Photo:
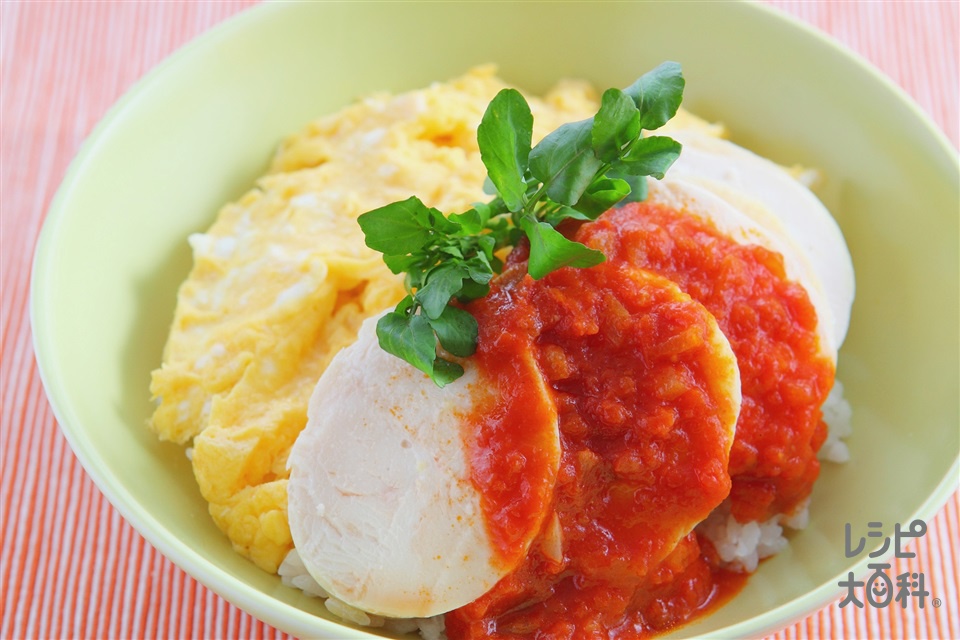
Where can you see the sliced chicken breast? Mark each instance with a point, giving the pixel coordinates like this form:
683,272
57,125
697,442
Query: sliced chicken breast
382,507
739,226
676,346
766,192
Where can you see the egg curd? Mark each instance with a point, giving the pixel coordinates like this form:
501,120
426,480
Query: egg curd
283,280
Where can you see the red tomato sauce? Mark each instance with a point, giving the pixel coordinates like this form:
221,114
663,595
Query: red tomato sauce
630,364
511,447
772,327
644,455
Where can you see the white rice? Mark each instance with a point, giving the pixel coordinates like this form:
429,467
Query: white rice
294,574
837,414
741,546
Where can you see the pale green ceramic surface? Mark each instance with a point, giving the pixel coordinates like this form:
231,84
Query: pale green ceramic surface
200,128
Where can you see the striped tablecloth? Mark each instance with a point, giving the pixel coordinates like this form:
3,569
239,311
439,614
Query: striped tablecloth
71,567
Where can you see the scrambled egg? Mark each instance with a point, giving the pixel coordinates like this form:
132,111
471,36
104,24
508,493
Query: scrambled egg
283,279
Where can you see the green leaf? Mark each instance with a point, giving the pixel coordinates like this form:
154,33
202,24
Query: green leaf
558,215
457,331
452,251
414,279
564,161
410,338
479,269
405,305
400,263
398,228
658,94
638,187
445,372
487,244
616,124
488,210
601,196
471,221
439,222
650,157
472,291
499,229
441,285
474,221
550,251
504,137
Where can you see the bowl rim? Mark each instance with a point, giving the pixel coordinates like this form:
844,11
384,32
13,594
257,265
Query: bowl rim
253,601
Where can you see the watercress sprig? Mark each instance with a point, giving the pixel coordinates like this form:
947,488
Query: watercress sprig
576,172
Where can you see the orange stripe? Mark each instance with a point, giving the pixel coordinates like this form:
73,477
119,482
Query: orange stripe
84,618
142,589
20,530
151,598
159,603
55,544
166,590
196,606
94,603
245,624
38,586
177,604
948,525
926,566
84,575
72,531
122,553
16,495
869,620
935,584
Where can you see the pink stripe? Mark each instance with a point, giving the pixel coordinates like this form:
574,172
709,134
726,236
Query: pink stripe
21,508
61,540
46,564
947,529
39,455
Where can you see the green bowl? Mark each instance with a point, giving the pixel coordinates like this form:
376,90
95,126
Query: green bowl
200,128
